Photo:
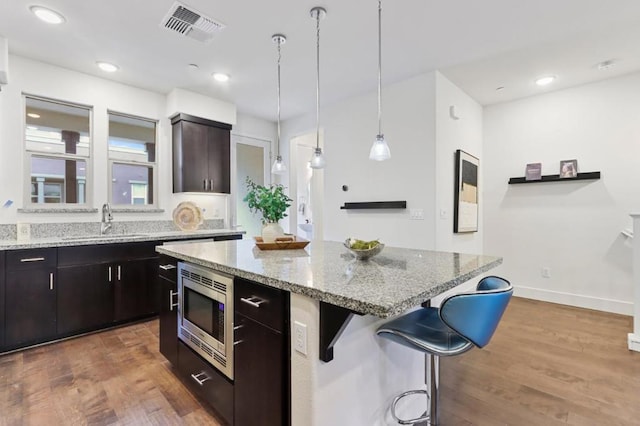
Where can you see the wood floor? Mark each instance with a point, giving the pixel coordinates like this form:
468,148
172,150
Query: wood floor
547,365
116,377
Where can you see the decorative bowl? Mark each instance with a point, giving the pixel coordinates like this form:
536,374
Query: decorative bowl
363,254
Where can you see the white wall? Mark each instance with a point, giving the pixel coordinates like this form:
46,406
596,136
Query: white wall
37,78
350,128
573,228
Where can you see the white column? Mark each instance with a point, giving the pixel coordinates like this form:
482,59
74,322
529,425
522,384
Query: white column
634,338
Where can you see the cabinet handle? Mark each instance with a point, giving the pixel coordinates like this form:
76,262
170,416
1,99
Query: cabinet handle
109,273
32,259
167,267
204,181
238,342
50,280
119,273
250,301
238,327
210,184
197,378
171,304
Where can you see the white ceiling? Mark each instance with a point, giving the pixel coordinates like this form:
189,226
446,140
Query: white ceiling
480,45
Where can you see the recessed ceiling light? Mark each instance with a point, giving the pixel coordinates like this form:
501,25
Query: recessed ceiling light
193,67
543,81
33,115
499,88
107,67
218,76
47,15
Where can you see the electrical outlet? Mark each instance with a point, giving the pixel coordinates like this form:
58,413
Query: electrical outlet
545,272
300,337
23,231
443,214
416,214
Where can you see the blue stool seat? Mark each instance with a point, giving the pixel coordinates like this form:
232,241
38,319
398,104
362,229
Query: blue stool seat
461,322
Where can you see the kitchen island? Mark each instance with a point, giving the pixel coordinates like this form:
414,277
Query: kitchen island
357,386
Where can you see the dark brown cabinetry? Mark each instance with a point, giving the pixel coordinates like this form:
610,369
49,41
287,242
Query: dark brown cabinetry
2,269
261,355
168,268
201,155
136,291
30,296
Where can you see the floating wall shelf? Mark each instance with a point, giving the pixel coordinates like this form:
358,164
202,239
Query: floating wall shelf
375,205
556,178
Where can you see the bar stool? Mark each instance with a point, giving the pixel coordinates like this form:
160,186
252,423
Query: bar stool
463,321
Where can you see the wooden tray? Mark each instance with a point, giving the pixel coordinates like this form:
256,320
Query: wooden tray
289,242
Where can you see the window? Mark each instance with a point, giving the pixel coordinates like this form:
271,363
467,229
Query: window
57,144
132,159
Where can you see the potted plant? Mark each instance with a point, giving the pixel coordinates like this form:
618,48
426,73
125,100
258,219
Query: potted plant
272,202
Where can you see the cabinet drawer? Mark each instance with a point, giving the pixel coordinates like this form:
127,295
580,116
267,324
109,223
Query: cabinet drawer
104,253
168,267
31,258
206,382
261,303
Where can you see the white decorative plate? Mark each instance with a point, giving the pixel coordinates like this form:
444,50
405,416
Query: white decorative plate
187,216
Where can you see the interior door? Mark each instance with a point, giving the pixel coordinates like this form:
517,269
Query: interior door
252,159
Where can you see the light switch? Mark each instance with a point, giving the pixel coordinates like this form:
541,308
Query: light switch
416,214
300,337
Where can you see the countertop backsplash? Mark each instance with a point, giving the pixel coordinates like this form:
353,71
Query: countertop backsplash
74,229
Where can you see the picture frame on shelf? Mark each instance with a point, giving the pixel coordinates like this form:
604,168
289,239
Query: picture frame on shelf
465,208
568,169
533,171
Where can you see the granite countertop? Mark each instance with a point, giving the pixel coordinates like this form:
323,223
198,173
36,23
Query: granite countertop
113,238
386,285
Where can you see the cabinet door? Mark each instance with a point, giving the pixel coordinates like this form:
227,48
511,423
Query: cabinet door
30,300
191,157
258,375
2,299
85,298
136,289
219,160
169,319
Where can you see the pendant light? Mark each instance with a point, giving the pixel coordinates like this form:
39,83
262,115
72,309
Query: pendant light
380,150
317,159
278,167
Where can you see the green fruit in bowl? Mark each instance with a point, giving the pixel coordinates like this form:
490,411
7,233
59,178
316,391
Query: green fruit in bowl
356,244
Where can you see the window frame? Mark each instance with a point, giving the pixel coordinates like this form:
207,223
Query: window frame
153,165
28,156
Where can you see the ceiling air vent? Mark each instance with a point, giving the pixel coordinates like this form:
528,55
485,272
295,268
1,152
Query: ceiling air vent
191,23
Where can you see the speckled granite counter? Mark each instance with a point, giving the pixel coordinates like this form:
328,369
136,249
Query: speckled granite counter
114,238
390,283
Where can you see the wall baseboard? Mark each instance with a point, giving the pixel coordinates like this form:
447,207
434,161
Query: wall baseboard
580,301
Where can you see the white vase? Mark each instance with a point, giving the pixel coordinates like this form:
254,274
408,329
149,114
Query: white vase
271,231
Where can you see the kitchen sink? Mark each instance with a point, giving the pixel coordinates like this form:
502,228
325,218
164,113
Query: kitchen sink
104,237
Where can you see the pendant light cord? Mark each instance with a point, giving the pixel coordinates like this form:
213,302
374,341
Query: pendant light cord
279,57
318,79
379,67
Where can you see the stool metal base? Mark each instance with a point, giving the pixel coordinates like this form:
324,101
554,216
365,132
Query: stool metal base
432,380
424,417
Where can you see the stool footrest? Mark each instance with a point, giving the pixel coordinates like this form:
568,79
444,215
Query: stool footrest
424,417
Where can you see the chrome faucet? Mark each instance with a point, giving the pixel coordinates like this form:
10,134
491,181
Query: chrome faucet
106,218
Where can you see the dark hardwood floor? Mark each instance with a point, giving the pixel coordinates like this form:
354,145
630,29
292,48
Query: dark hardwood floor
547,365
116,377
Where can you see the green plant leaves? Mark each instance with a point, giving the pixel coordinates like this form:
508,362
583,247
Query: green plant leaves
271,201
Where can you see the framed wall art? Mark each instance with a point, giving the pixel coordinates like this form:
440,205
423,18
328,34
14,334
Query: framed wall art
568,169
465,208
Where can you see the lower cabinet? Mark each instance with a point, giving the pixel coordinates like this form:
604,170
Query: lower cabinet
207,382
168,308
136,289
85,298
261,355
30,297
1,300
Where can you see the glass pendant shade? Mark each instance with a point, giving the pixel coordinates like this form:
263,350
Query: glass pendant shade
278,167
380,150
317,159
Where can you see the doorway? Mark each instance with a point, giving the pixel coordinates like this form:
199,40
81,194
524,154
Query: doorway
306,189
251,158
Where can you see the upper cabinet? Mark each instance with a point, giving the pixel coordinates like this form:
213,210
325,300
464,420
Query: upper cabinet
201,155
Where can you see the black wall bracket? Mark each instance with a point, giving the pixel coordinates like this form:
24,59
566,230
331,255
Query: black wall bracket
375,205
333,320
